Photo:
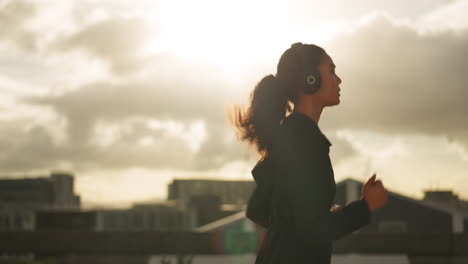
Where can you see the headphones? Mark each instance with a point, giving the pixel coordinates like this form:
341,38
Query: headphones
311,79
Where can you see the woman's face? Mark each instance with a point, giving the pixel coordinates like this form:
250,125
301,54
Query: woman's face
329,92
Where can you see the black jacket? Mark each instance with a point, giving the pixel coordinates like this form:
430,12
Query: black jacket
295,188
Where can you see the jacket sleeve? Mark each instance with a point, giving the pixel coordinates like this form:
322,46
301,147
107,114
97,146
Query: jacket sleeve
259,206
309,189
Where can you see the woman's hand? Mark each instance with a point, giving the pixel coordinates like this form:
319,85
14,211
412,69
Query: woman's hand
366,185
335,208
374,193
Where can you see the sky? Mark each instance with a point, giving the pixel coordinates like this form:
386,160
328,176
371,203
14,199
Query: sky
129,95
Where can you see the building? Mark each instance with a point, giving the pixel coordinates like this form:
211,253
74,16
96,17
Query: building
145,217
404,214
141,217
20,198
65,220
165,216
445,199
208,208
55,192
230,192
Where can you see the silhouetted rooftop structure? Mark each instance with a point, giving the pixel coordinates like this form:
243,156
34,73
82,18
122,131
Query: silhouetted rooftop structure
20,198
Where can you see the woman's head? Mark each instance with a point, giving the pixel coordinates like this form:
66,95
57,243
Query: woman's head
273,96
301,61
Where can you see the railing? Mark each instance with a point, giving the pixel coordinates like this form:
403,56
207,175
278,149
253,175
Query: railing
58,243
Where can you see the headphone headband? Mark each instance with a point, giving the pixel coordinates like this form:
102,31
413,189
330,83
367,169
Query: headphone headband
300,54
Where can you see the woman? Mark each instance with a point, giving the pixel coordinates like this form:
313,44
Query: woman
294,176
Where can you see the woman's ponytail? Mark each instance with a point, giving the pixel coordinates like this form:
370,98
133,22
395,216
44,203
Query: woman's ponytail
269,104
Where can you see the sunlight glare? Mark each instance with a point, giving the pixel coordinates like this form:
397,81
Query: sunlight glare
232,35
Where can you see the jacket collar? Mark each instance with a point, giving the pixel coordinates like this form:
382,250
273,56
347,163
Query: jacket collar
309,122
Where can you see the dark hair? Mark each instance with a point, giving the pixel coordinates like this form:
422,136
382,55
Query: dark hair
271,100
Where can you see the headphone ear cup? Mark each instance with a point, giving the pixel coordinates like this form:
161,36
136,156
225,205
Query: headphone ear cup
313,81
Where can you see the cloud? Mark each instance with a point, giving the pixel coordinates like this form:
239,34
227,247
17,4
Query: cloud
396,80
26,150
108,123
14,16
450,16
341,148
119,41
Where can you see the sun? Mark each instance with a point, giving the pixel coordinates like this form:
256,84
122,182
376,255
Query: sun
228,34
233,36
